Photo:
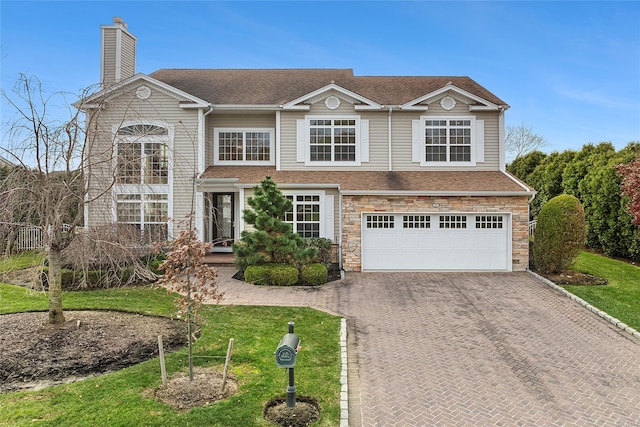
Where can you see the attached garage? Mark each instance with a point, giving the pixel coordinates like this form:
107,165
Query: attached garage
436,241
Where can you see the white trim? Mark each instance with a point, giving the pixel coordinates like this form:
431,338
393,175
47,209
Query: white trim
240,213
307,142
85,103
291,105
420,139
244,131
431,193
450,87
501,142
200,216
295,186
277,139
512,178
322,202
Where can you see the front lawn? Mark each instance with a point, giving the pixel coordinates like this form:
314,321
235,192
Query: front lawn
119,399
620,298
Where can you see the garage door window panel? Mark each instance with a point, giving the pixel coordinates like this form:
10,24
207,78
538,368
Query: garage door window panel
453,221
380,221
416,221
488,221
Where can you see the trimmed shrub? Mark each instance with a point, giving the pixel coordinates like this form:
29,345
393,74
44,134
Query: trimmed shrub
271,274
283,275
560,234
314,274
258,274
323,246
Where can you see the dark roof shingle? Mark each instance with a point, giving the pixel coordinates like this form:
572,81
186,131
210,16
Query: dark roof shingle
280,86
374,181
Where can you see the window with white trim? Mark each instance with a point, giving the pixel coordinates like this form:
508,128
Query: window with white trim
448,141
142,155
143,175
305,216
147,213
242,146
333,140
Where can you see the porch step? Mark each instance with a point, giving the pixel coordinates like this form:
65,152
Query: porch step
220,259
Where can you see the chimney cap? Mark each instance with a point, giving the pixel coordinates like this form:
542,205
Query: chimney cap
119,21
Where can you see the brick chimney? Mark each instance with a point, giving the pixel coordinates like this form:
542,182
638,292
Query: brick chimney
118,56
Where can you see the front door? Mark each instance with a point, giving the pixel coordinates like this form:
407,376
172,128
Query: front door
222,223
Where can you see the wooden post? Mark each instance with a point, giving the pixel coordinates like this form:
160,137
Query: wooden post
163,368
226,364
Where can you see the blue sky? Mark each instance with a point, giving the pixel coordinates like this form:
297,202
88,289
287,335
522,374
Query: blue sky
569,70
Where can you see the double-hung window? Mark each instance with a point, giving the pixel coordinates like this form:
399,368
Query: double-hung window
242,146
305,216
333,140
147,213
448,141
312,214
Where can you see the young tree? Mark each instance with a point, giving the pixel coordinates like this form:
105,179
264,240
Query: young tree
520,140
186,273
272,240
630,173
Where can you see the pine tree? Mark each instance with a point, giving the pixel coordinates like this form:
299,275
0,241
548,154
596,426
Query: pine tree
272,240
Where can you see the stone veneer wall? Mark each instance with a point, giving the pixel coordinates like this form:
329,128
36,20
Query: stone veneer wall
353,206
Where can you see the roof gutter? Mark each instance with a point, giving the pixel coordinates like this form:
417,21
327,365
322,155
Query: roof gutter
389,128
432,193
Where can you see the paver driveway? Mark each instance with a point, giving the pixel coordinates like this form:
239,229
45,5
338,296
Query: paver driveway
472,349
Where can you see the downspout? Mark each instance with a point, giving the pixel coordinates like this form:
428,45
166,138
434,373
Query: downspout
501,141
199,196
389,126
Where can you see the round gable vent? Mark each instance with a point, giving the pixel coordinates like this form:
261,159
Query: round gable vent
448,103
332,102
143,92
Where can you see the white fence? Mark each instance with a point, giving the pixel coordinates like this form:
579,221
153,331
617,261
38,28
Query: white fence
30,238
532,227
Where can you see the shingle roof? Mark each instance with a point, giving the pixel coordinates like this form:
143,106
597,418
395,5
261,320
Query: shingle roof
279,86
374,181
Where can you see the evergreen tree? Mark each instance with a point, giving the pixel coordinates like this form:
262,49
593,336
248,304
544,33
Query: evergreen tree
271,240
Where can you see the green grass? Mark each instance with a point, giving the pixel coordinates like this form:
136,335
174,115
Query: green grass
118,399
620,298
20,261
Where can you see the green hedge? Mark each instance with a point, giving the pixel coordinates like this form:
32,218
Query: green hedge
560,234
314,274
271,274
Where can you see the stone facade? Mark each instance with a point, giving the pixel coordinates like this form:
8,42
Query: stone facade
354,206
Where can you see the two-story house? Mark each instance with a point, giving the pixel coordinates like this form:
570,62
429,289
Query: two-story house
401,173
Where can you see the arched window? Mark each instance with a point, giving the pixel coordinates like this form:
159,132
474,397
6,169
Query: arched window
142,153
142,179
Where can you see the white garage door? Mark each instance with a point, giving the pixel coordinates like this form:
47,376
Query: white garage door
446,242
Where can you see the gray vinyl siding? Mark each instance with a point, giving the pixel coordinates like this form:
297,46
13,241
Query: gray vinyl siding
108,55
239,121
128,59
163,110
378,137
401,137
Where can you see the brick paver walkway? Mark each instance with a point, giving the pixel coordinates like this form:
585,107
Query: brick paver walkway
471,349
